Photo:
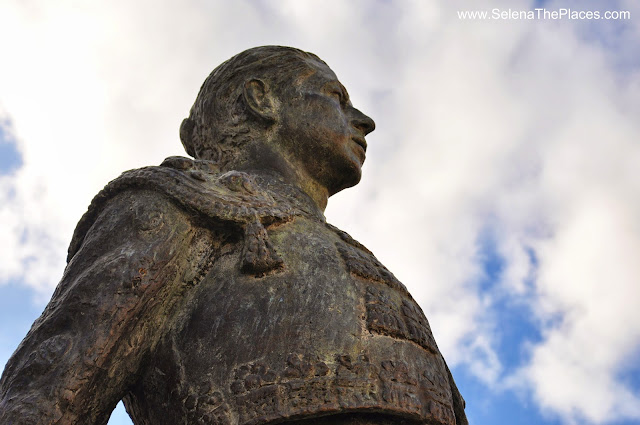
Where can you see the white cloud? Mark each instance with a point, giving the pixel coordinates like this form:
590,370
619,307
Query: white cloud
524,129
531,135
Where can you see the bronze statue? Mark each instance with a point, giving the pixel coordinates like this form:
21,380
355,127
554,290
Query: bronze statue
212,290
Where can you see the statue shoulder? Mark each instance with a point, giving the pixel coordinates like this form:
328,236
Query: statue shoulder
361,262
197,189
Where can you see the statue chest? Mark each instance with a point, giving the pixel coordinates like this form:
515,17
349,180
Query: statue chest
333,330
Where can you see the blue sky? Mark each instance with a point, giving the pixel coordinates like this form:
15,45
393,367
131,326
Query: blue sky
500,184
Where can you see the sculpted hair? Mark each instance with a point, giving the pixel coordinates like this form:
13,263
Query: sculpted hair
219,123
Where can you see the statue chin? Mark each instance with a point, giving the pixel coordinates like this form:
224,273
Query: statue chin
345,179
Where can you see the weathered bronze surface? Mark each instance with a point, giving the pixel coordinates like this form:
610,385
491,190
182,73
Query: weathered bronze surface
212,291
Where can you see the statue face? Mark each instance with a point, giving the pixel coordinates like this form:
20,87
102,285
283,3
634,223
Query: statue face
321,131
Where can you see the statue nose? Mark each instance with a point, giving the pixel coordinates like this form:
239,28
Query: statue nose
362,122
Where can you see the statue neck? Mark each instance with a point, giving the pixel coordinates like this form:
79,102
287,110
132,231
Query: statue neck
263,160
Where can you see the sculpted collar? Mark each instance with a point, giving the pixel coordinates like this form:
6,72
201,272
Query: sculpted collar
234,198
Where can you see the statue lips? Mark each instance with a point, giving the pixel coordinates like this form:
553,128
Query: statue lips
362,144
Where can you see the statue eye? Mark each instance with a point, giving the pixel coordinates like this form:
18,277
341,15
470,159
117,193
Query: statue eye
338,95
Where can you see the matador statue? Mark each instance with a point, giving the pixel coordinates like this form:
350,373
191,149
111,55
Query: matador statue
213,291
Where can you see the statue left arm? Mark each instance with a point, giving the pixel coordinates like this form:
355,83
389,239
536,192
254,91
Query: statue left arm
115,301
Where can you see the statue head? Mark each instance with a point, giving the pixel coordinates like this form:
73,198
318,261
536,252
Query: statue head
283,103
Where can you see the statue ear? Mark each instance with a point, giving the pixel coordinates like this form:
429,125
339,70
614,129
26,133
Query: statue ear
186,136
259,100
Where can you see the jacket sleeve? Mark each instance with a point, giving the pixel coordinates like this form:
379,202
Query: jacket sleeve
114,302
